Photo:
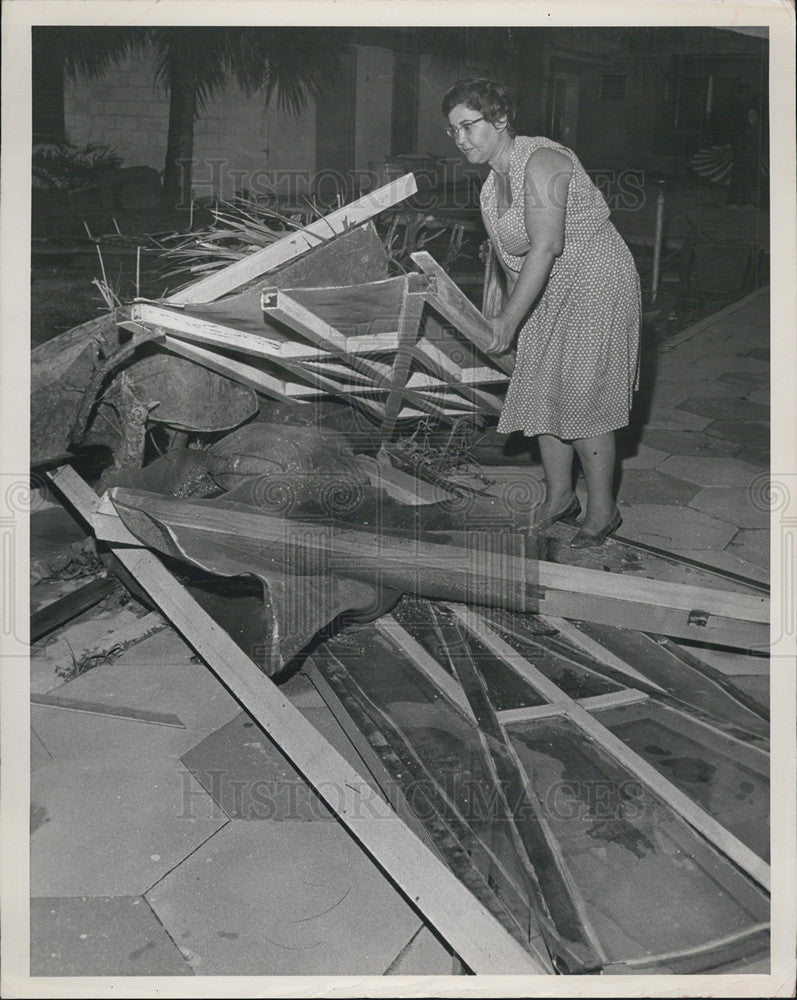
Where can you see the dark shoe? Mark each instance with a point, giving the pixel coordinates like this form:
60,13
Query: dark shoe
585,540
567,515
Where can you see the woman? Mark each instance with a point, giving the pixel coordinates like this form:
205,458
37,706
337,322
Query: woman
573,301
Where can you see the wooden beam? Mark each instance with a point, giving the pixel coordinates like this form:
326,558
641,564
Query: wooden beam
408,326
425,881
453,305
594,649
204,331
438,362
289,247
682,804
480,573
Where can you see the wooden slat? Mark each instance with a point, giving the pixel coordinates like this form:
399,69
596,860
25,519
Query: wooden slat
686,807
594,649
205,331
430,355
428,885
268,384
69,606
595,703
448,686
408,326
248,375
462,847
452,303
289,247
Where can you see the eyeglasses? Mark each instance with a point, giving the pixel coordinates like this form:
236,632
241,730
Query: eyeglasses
453,130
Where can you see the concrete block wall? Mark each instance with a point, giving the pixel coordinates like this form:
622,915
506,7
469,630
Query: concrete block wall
123,109
237,141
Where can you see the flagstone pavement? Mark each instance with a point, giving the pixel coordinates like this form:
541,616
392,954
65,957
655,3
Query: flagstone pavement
152,851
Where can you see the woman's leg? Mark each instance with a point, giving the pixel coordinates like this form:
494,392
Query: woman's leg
557,464
597,456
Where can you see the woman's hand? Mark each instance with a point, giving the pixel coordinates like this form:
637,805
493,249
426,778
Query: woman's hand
503,335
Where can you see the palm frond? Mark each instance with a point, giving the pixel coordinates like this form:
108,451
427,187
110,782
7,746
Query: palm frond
91,50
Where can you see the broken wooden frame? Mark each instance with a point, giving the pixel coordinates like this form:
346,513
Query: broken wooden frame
399,348
582,716
374,699
427,883
404,360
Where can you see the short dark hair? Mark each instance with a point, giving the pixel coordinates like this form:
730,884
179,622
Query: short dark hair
490,98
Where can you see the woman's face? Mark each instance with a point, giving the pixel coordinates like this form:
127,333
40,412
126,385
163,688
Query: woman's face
475,137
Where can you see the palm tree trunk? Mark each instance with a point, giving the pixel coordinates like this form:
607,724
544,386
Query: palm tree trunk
177,170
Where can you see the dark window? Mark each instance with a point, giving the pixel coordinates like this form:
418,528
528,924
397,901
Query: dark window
612,86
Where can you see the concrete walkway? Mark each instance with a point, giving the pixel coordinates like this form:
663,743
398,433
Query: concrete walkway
170,837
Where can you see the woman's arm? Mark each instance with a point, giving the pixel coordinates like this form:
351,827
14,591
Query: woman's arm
545,188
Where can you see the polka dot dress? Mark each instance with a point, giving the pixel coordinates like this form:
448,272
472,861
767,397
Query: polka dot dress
577,360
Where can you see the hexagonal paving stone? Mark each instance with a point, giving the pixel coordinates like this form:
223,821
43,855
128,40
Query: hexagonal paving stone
726,560
116,809
674,527
748,434
100,936
667,416
731,504
710,471
717,365
689,443
39,754
160,674
751,544
726,409
642,458
250,778
276,899
748,379
755,456
653,486
761,396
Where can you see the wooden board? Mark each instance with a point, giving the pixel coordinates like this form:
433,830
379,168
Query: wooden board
275,254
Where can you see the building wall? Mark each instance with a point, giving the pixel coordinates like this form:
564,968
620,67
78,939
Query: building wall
374,106
237,142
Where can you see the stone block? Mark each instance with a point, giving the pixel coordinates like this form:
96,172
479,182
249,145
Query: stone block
732,504
274,899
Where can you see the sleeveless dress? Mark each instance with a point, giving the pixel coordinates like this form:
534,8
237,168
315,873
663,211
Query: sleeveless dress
577,358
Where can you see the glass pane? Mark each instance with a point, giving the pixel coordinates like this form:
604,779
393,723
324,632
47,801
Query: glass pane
735,795
394,692
576,681
505,687
650,884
